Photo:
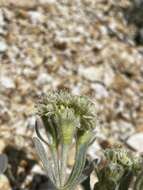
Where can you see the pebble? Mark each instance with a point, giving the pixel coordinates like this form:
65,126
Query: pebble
136,142
7,82
92,73
4,183
44,78
122,128
100,90
93,149
31,122
47,1
3,47
2,22
109,75
2,145
102,73
36,17
37,169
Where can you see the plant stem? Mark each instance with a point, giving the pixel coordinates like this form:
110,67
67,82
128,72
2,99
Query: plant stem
56,165
65,148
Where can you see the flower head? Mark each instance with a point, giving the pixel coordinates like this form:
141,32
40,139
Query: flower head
123,157
62,113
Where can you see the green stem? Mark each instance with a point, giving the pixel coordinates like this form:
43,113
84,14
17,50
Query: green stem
56,165
64,157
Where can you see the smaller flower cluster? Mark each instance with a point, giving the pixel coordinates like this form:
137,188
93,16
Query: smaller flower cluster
124,158
118,170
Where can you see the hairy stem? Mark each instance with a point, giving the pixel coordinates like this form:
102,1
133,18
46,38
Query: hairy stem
64,156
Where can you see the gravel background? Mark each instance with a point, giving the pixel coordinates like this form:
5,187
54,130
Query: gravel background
87,47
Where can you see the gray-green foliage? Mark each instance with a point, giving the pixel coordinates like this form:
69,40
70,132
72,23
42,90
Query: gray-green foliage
67,120
3,163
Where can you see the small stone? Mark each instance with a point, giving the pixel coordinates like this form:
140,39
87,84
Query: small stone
31,122
124,129
76,90
101,73
93,149
2,22
47,1
2,31
120,82
4,114
7,82
18,3
44,78
92,73
60,45
36,17
2,145
136,142
3,46
108,75
100,90
4,183
37,169
20,141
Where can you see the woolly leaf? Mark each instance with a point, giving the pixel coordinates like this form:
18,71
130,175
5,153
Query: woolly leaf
3,163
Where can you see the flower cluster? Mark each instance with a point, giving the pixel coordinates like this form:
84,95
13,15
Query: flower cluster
118,170
66,119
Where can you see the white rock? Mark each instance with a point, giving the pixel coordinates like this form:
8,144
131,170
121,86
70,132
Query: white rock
136,142
2,22
76,90
37,169
20,141
123,128
20,130
2,31
44,78
93,149
92,73
27,61
7,82
102,73
3,46
36,17
2,145
47,1
108,75
100,90
31,122
103,30
4,183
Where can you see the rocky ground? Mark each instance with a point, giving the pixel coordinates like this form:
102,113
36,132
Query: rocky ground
92,48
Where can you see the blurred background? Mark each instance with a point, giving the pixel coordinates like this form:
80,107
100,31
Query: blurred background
88,47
